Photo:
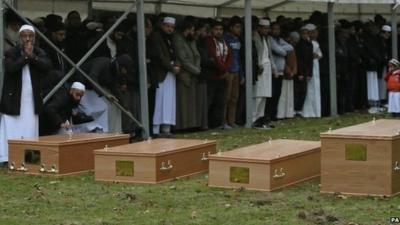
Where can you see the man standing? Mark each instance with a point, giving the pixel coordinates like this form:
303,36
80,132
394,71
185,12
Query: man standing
186,84
216,67
21,100
263,86
305,57
164,69
235,73
280,49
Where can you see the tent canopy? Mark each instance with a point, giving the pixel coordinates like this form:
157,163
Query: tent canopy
352,9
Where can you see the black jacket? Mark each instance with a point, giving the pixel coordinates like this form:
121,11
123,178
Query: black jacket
56,112
305,57
15,60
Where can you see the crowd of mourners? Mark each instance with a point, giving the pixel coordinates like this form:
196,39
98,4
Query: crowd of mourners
196,73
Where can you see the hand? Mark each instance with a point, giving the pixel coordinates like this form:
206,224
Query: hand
124,88
28,48
301,77
111,98
242,81
66,126
176,69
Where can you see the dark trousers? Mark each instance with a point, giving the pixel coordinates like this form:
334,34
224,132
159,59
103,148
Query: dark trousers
216,97
241,106
271,106
325,94
201,99
344,93
360,89
151,96
300,92
131,102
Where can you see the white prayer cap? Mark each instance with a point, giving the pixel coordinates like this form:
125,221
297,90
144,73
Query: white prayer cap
295,35
264,22
170,20
386,28
395,62
27,27
309,27
94,25
78,86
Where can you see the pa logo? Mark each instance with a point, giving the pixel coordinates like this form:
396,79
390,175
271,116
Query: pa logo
394,219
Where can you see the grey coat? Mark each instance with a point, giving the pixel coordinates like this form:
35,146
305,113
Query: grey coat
187,107
280,49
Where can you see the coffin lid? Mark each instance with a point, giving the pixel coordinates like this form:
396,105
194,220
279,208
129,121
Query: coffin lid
274,151
78,138
156,147
380,129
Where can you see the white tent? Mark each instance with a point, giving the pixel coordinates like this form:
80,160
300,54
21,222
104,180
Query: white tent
212,8
351,9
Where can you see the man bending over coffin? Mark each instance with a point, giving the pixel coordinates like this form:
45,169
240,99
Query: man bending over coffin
57,113
21,102
113,76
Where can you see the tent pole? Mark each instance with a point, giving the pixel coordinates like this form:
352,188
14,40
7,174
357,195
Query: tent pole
2,28
144,106
249,65
394,33
332,58
90,9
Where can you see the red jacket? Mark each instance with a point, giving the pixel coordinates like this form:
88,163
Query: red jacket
220,66
393,81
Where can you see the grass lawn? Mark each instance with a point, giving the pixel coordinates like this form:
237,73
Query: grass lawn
80,200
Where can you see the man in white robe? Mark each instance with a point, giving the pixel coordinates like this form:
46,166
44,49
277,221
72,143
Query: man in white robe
263,86
21,100
312,104
165,102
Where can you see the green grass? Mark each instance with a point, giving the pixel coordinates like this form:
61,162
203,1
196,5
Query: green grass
81,200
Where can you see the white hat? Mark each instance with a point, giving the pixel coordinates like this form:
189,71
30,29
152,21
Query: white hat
78,86
170,20
395,62
386,28
309,27
94,25
27,27
264,22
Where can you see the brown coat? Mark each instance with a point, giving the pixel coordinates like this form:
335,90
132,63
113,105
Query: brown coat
290,65
160,61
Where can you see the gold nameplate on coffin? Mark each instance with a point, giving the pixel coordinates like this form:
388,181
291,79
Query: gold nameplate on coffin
356,152
124,168
32,157
239,175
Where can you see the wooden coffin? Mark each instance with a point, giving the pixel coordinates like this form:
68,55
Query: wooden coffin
59,154
153,161
362,159
267,166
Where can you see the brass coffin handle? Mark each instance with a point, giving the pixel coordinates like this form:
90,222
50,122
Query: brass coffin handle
11,166
53,169
279,174
22,168
166,166
396,167
42,168
205,156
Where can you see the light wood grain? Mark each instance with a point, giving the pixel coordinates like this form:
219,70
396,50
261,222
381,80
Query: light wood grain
185,156
299,161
